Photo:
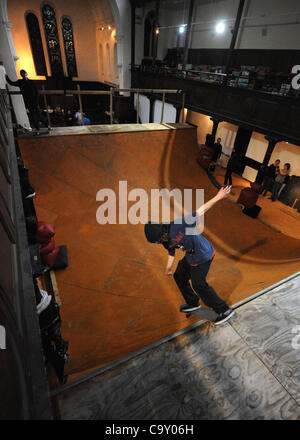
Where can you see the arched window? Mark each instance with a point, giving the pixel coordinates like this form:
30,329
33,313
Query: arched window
51,34
67,32
101,59
36,44
149,34
108,59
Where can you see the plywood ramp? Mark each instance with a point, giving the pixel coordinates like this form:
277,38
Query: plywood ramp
115,296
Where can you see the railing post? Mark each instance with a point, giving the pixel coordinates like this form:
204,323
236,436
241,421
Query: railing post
80,104
46,105
182,107
111,106
138,108
162,108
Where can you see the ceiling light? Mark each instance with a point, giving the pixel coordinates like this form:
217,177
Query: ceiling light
220,28
181,29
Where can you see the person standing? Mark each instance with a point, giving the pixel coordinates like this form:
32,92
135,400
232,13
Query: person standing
79,117
270,175
31,100
217,146
231,165
199,254
279,180
69,118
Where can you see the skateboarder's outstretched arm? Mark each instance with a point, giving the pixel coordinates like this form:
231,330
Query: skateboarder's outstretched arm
222,194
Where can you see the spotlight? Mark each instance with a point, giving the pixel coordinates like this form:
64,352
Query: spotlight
181,29
109,28
157,31
220,28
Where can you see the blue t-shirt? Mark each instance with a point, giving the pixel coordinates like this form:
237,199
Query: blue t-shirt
182,235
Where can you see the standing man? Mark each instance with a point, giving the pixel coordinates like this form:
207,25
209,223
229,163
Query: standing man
231,165
199,254
270,175
217,153
31,100
279,180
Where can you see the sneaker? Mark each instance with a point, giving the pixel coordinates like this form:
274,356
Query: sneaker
44,303
29,192
189,308
224,316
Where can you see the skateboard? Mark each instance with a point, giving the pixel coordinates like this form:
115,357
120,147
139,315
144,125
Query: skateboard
203,313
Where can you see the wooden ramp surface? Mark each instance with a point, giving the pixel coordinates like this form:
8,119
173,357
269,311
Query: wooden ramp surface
115,296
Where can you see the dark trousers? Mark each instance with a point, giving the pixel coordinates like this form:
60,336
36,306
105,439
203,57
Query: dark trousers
228,177
36,116
267,185
197,274
275,190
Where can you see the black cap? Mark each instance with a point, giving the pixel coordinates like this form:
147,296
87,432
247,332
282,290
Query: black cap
153,232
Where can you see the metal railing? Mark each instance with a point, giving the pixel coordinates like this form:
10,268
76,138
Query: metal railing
113,90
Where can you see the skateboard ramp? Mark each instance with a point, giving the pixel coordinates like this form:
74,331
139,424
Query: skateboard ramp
115,296
245,369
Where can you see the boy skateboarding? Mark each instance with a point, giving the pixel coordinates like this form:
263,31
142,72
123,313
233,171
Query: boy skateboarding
195,265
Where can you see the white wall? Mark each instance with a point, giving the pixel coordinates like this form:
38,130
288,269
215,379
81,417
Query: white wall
169,112
286,152
266,24
122,14
279,20
144,108
108,69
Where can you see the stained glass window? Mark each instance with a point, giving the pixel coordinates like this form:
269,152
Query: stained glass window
67,32
51,34
36,44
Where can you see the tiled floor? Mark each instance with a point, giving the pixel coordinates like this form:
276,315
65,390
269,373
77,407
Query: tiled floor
243,370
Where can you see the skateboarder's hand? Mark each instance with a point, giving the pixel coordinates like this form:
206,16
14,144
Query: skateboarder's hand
224,192
168,272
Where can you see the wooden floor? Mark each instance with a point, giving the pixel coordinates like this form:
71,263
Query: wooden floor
115,296
277,215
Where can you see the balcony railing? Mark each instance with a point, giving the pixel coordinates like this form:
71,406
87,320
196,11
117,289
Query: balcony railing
260,81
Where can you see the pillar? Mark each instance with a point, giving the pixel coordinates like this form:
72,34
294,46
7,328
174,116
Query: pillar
214,129
270,149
